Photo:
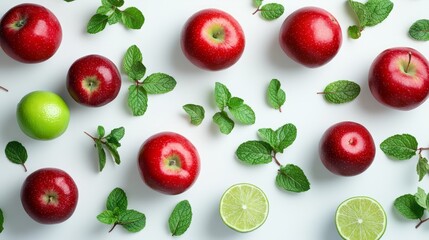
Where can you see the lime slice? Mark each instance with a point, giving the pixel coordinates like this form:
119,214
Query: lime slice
244,207
360,218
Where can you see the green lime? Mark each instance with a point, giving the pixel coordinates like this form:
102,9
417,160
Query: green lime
244,207
42,115
360,218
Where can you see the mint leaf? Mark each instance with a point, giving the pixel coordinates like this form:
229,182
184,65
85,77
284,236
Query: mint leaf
254,152
235,102
223,121
133,18
137,100
101,154
421,198
116,134
101,131
116,3
97,23
132,220
107,217
400,147
104,10
180,219
275,95
292,178
272,11
257,3
354,32
114,152
132,63
420,30
422,167
159,83
222,96
285,136
1,221
243,114
408,207
117,199
377,10
16,153
361,12
195,112
114,17
341,91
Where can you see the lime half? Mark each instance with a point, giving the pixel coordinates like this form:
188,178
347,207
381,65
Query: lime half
360,218
244,207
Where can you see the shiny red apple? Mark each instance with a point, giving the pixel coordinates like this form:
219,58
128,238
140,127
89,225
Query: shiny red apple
30,33
49,195
93,80
169,163
347,148
212,39
399,78
310,36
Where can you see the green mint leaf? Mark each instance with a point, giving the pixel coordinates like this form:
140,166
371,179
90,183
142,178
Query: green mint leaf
117,199
104,10
243,114
114,152
275,95
16,153
421,198
66,1
235,102
132,18
420,30
116,133
107,217
292,178
101,131
254,152
101,154
132,63
257,3
159,83
223,121
180,219
137,100
116,3
1,221
272,11
361,12
106,3
132,220
341,91
377,10
195,112
400,146
222,96
114,17
97,23
269,136
422,167
354,32
280,139
408,207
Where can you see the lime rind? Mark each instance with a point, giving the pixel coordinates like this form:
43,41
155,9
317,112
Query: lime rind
359,218
244,207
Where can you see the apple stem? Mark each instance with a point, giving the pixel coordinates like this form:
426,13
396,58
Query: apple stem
4,89
113,227
421,222
409,61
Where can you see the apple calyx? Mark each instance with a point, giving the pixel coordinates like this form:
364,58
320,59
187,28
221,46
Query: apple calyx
91,83
173,163
50,198
19,24
218,33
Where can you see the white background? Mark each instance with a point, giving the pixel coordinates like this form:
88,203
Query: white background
306,216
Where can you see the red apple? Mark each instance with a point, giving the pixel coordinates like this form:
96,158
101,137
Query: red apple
93,80
49,195
347,148
310,36
30,33
212,39
399,78
169,163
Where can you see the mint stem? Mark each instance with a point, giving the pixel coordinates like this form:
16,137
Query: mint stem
409,61
422,149
89,135
4,89
25,168
257,10
421,222
276,160
113,227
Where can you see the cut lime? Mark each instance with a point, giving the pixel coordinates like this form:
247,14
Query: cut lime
244,207
360,218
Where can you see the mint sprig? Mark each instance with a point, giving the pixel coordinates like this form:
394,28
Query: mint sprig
109,13
156,83
369,14
419,30
1,221
195,112
405,147
240,111
341,91
117,213
108,142
180,219
269,11
413,206
256,152
16,153
275,95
